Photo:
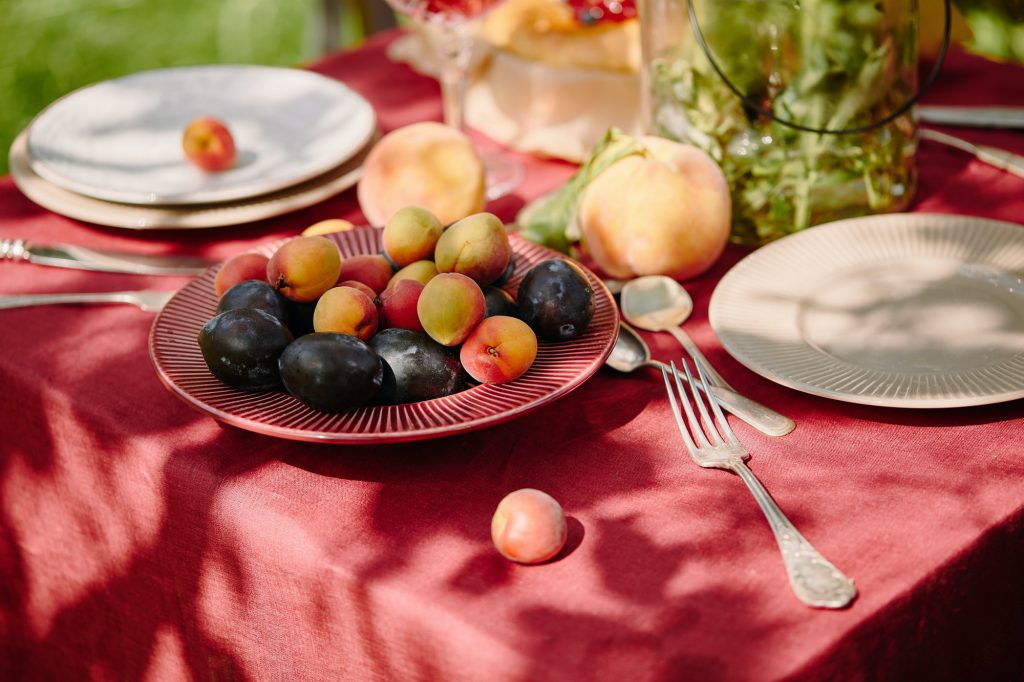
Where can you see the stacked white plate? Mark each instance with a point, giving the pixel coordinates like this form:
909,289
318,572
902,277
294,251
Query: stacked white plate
111,153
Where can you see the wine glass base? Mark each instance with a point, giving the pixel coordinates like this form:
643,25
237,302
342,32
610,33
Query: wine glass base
503,174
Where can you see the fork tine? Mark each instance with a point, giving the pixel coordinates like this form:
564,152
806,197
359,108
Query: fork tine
698,399
715,406
690,445
691,417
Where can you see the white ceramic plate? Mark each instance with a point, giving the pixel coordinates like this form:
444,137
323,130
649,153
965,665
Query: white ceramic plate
120,140
906,310
185,217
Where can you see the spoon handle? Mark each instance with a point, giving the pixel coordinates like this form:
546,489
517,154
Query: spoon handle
763,418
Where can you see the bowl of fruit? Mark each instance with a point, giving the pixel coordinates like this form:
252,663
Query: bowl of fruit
385,335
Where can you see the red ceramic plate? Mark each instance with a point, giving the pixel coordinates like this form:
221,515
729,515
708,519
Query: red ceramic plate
558,369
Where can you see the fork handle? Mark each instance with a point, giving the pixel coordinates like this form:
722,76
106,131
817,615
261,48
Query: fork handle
814,579
26,300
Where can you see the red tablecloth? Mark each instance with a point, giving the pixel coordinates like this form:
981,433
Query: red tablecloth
142,539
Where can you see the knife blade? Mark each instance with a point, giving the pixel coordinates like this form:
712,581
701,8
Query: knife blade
82,258
1000,158
972,117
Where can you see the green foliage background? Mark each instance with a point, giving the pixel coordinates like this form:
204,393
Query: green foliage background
51,47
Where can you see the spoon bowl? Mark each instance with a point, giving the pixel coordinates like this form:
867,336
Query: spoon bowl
655,303
630,352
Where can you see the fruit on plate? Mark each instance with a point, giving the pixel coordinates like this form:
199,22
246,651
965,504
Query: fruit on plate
254,293
422,271
208,144
529,526
449,307
410,235
638,206
476,246
327,227
239,268
556,300
346,310
398,305
426,164
497,301
303,268
373,270
242,346
498,350
415,367
331,372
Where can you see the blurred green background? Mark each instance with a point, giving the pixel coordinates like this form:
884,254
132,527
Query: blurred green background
50,47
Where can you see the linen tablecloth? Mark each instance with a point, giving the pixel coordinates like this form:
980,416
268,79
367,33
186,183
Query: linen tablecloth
141,539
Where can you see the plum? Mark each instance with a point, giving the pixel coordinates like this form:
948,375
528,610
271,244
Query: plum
415,367
556,299
242,346
331,372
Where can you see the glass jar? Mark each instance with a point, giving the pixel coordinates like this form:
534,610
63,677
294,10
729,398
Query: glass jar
805,104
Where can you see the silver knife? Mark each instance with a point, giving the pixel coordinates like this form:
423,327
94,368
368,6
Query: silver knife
68,256
1000,158
972,117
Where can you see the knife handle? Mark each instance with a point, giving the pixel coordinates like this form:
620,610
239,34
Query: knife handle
13,249
1000,158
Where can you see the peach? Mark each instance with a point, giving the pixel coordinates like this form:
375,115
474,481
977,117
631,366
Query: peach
373,270
450,307
327,227
346,310
529,526
398,305
208,144
425,164
500,349
422,271
238,269
667,212
303,268
476,246
370,293
410,235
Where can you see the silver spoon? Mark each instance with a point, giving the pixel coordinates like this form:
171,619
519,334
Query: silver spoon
658,303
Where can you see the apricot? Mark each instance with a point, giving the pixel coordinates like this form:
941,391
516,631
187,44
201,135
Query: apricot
664,213
476,246
346,310
499,349
208,144
328,226
303,268
398,305
361,287
529,526
410,235
425,164
239,268
450,307
422,271
373,270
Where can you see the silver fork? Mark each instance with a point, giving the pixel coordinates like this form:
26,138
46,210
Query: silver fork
149,300
813,578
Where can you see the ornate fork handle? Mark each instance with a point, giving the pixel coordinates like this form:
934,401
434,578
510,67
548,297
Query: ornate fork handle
13,249
814,579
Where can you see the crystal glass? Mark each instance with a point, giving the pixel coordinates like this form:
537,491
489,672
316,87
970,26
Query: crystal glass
455,47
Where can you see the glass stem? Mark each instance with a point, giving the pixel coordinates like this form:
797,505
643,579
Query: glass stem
456,49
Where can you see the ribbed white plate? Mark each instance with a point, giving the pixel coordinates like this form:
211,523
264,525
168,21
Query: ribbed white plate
120,140
558,369
905,310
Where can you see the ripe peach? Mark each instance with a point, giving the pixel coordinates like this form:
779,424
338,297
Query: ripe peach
398,305
208,144
422,271
373,270
450,307
476,246
238,269
346,310
410,235
426,164
500,349
327,227
303,268
665,213
529,526
361,287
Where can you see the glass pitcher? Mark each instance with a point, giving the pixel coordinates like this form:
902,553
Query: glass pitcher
805,104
